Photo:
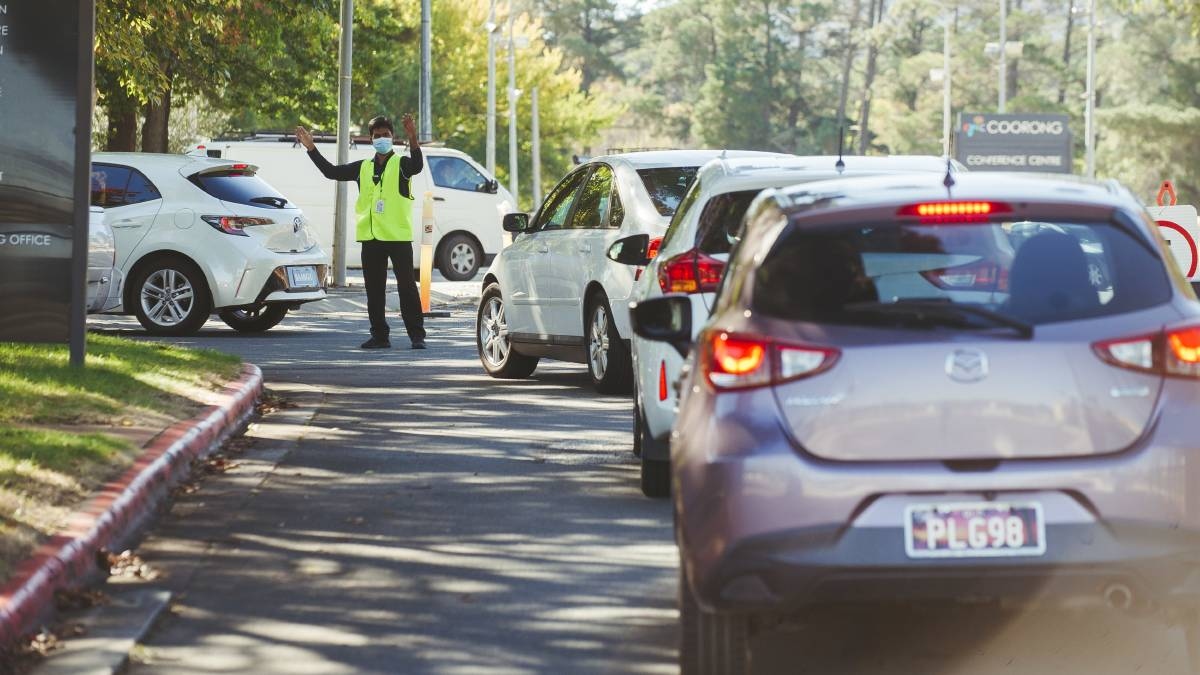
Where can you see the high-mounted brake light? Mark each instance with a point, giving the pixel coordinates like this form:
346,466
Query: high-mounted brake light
970,210
241,167
1174,352
732,361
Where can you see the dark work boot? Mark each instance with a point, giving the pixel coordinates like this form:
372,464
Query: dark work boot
377,343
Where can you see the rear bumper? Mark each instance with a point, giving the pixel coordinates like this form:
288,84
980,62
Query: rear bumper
787,571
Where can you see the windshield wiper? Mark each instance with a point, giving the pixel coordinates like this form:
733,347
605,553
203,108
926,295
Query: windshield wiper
939,311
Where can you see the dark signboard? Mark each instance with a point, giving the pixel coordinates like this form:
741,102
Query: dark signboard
45,139
986,142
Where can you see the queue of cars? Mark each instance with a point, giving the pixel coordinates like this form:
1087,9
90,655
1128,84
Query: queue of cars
916,384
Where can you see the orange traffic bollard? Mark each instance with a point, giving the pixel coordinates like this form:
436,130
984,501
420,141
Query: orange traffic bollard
426,251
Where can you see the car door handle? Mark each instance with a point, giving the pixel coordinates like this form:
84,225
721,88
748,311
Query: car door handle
544,249
126,223
439,199
586,248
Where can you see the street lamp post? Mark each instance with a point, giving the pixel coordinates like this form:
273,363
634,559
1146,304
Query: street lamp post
1003,48
426,130
345,63
535,132
946,89
513,94
490,157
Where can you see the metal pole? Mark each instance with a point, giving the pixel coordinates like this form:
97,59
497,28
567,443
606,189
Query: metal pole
426,128
1003,62
535,133
512,114
345,61
1090,116
946,90
85,69
490,161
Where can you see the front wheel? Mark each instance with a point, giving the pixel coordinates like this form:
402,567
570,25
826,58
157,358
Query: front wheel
491,339
170,297
607,358
255,319
460,258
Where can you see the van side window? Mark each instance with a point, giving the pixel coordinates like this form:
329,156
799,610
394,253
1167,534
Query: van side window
456,174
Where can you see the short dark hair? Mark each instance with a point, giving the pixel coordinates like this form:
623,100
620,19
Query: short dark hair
380,122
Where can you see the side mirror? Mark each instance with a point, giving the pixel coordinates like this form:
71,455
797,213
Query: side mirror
488,186
666,319
630,250
516,222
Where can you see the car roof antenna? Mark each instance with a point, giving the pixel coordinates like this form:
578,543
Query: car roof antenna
948,181
841,165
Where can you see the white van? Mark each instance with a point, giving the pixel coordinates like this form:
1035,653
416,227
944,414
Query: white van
468,202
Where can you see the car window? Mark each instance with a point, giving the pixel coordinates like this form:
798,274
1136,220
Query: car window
667,186
455,173
108,185
681,213
1037,273
594,202
140,189
618,210
240,186
554,211
721,220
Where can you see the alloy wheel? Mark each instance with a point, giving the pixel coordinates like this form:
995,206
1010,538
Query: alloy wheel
598,342
167,297
493,333
462,258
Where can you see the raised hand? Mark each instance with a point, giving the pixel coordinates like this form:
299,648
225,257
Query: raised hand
410,127
305,138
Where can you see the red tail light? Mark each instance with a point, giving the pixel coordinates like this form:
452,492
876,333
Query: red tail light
731,361
935,212
233,224
690,272
662,381
1174,352
976,276
651,254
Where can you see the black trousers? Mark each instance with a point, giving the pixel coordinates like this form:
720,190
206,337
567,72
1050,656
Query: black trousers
375,256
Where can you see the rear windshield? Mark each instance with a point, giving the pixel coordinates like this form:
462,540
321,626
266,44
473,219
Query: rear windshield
668,186
240,187
1033,272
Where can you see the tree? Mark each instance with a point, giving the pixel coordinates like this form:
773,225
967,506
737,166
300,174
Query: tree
591,34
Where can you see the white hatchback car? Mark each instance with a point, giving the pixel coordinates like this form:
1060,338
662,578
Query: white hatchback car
196,235
103,277
691,259
553,293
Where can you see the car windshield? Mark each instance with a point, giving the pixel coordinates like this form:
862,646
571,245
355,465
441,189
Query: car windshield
667,186
240,187
968,275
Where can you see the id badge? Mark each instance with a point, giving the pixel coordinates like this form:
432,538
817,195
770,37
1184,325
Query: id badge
379,206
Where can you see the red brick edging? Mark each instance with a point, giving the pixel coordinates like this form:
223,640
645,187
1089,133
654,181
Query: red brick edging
114,513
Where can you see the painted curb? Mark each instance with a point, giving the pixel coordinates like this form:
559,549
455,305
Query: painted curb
115,512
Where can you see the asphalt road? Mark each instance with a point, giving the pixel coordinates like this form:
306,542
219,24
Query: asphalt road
412,515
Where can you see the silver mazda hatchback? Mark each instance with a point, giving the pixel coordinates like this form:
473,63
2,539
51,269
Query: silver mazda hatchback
919,388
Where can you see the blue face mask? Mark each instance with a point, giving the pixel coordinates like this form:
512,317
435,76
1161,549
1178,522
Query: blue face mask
382,145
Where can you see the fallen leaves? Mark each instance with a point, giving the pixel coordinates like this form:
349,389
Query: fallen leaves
126,564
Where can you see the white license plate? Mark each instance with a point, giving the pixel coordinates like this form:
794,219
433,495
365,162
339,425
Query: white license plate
303,277
966,530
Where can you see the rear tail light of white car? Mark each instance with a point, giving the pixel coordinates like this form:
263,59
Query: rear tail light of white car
690,272
235,224
651,253
734,361
1174,352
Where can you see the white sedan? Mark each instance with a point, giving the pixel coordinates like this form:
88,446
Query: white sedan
553,293
196,235
691,259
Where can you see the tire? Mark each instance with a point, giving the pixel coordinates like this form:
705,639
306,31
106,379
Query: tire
638,425
491,340
255,319
656,478
459,258
189,304
608,359
711,644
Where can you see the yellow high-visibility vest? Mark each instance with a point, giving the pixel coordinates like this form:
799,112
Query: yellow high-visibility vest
383,213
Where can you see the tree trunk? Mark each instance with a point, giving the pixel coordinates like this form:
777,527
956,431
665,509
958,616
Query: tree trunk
847,62
154,129
1062,87
122,114
1012,77
864,115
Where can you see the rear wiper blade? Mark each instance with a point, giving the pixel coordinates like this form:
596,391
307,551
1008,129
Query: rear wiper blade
277,202
931,308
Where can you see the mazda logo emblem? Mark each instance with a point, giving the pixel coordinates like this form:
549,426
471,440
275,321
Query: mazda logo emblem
967,365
